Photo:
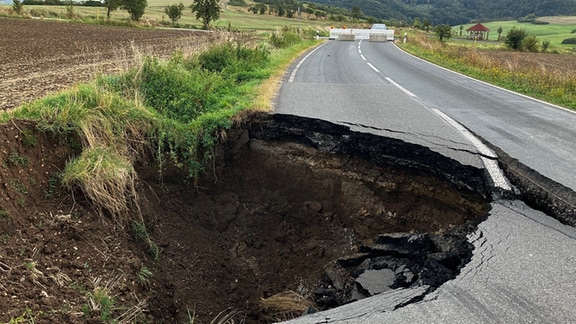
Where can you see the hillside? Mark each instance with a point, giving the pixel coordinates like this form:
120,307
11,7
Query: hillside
455,12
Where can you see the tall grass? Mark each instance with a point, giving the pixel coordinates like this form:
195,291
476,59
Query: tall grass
555,85
172,111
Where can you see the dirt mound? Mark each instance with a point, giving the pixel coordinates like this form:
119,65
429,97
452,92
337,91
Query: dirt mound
270,217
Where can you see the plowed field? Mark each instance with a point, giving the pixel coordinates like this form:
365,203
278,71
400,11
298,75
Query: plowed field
38,57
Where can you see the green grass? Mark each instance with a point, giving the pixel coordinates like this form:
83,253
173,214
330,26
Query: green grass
175,111
554,32
235,17
554,86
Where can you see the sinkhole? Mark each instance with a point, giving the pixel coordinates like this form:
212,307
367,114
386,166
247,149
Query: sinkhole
300,215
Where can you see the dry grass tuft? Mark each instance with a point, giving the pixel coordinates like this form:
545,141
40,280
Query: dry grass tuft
285,306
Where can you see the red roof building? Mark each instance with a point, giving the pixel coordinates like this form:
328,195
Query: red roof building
478,32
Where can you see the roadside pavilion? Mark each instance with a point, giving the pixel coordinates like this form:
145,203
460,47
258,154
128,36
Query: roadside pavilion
478,32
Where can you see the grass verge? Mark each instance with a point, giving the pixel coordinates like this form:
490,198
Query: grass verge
556,86
172,111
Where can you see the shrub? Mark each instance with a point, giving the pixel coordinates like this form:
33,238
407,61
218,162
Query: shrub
545,45
238,3
233,60
514,38
569,40
530,43
285,38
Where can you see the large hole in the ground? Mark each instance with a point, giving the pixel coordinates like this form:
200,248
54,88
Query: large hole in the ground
301,215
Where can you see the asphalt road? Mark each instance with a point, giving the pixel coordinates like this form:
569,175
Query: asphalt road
524,266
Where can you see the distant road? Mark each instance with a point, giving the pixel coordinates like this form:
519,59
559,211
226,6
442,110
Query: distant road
524,266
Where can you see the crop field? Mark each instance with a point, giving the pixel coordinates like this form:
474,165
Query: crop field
41,57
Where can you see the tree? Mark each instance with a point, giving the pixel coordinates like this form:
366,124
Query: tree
416,23
443,31
499,32
514,38
111,5
426,24
174,11
309,11
135,8
17,6
207,10
356,13
261,8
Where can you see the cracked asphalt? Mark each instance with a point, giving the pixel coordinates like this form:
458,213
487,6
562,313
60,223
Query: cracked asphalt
524,267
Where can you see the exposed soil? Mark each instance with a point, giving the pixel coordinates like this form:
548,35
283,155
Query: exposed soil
278,212
41,57
272,216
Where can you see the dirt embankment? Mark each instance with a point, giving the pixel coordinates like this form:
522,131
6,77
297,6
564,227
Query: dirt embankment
275,214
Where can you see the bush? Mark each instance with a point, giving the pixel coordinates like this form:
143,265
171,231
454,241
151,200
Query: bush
530,44
285,38
232,60
514,38
238,3
569,41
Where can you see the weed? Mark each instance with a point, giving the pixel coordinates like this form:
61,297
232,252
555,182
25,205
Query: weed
144,275
4,215
28,138
4,238
103,302
53,183
191,317
100,299
18,186
153,250
15,159
141,234
28,316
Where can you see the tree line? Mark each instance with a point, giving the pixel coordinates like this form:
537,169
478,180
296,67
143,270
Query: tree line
455,12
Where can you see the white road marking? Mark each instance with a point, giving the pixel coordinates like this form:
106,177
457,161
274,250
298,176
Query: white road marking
400,87
293,74
490,163
373,67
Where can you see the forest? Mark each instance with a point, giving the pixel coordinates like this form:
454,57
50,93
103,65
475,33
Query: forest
452,12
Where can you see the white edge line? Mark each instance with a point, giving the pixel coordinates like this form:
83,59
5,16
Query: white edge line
490,84
293,74
490,164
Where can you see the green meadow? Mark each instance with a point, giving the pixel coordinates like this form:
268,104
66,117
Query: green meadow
558,29
233,17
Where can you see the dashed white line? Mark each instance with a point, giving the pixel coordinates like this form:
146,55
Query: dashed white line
373,67
400,87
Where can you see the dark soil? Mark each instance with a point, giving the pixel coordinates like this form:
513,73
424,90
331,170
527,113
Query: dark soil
270,216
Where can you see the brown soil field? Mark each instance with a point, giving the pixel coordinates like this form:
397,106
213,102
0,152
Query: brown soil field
41,57
267,221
